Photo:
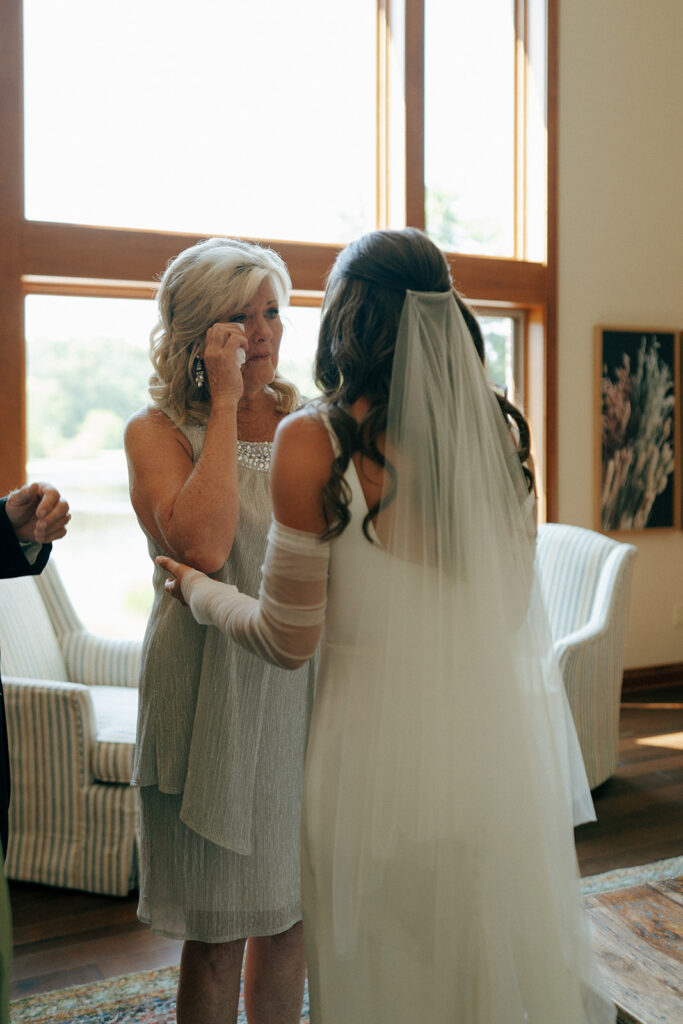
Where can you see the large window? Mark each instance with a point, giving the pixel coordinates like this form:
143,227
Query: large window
470,125
87,366
149,125
244,118
87,370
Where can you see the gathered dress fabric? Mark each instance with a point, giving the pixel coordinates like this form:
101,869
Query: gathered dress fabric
219,754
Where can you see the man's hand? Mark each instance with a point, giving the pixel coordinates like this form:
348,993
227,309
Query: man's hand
38,513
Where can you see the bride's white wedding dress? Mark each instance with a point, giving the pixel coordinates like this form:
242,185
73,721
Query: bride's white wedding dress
439,878
450,897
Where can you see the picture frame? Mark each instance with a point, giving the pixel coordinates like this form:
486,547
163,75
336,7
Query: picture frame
638,429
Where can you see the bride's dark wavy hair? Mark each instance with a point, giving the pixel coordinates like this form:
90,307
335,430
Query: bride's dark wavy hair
361,311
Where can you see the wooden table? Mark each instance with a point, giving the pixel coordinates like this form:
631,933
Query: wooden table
638,937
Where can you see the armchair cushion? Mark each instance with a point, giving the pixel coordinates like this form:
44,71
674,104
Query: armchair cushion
116,711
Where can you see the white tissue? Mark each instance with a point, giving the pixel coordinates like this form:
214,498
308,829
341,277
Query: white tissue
241,356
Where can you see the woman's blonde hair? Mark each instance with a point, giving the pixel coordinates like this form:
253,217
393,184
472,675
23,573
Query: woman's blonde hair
210,280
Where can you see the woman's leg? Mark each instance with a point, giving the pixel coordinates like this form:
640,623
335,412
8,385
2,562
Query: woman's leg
209,983
274,976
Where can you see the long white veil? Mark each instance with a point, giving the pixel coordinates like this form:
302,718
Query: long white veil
459,854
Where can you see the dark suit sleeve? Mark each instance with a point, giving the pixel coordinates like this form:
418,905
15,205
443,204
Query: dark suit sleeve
12,563
12,559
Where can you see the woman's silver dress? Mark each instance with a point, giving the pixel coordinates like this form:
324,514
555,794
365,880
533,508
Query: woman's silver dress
220,754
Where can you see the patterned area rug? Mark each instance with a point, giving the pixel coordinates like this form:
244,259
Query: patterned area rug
144,998
149,997
626,877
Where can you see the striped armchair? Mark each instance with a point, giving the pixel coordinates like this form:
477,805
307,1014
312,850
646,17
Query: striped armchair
586,581
71,701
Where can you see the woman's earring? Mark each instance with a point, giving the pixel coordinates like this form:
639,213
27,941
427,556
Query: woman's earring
198,372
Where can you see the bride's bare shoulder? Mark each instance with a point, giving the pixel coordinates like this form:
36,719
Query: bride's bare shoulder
304,432
300,470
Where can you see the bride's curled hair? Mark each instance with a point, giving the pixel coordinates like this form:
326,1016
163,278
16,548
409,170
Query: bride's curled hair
361,312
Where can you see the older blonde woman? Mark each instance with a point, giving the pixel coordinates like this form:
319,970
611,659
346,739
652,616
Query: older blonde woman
221,735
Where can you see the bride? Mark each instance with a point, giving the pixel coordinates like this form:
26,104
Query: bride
443,773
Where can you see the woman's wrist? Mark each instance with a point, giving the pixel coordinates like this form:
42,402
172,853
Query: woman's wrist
224,405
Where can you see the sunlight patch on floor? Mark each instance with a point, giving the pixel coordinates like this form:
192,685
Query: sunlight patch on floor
674,740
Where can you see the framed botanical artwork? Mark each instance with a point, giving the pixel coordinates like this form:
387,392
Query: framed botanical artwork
637,465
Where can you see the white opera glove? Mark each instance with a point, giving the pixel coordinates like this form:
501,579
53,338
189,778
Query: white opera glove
284,625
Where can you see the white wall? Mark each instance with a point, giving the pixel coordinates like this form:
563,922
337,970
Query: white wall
620,248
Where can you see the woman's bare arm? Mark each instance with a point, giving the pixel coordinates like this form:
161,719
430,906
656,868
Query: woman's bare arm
191,508
300,469
284,625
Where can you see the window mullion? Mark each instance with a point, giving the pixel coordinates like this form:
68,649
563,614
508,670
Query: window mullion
382,100
414,107
12,404
520,129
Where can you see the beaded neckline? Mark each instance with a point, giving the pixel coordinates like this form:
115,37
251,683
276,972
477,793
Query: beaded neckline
254,454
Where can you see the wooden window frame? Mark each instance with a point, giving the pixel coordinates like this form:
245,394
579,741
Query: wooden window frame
57,258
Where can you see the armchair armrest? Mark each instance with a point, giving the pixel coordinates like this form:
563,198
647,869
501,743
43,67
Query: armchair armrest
591,663
51,727
584,638
101,661
49,722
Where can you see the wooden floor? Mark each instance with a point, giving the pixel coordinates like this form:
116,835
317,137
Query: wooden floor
68,938
638,940
640,809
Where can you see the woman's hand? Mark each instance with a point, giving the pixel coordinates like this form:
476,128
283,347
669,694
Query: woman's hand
178,573
223,362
